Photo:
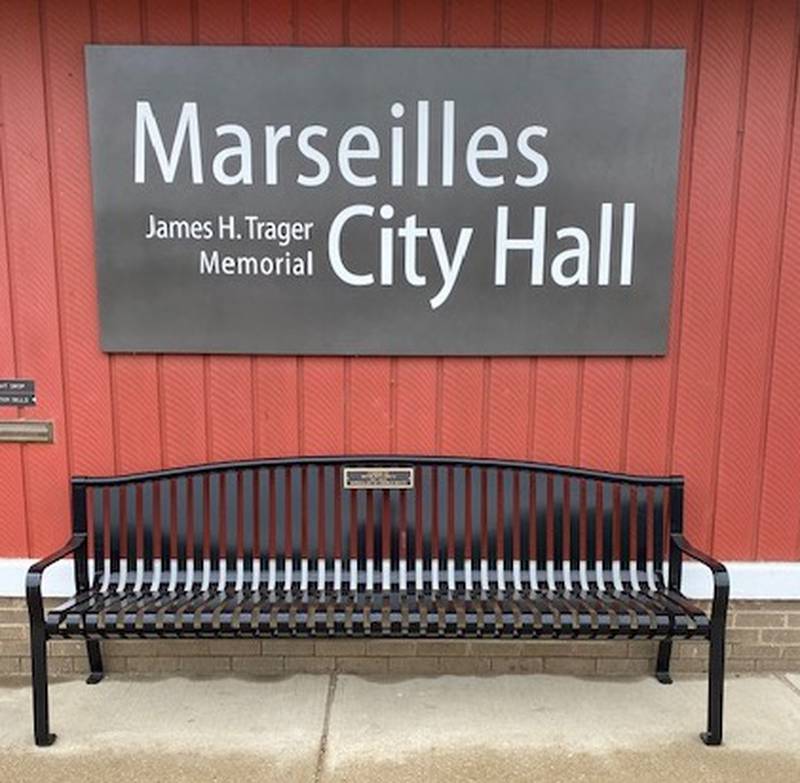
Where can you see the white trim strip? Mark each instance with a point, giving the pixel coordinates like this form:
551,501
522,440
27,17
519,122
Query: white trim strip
749,580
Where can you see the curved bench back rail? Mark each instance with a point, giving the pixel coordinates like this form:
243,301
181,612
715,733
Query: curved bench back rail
292,524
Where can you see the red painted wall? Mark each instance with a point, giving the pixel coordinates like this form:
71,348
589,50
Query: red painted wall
721,408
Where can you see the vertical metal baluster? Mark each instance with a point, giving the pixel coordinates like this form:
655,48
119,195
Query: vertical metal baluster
130,495
216,527
244,527
589,491
469,539
389,536
540,503
405,543
427,523
260,529
486,552
573,509
555,507
516,532
658,535
501,528
196,516
179,549
271,507
494,548
639,507
339,529
457,525
294,544
625,537
318,531
100,527
282,528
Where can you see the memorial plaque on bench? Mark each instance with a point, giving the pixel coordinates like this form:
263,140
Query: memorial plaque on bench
379,478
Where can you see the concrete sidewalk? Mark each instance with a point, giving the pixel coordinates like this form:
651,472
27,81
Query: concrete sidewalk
447,728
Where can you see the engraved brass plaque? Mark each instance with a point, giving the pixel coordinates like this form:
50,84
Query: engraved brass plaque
378,478
24,431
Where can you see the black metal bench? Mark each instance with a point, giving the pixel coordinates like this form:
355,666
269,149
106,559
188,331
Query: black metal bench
335,546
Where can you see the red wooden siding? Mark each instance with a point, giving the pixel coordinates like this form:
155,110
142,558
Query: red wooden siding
720,408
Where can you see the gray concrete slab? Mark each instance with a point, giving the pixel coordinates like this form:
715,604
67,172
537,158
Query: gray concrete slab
558,728
172,729
504,728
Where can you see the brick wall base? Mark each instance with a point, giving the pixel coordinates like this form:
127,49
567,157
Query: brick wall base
763,636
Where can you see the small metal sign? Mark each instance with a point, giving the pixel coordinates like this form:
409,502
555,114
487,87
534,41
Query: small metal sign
22,431
14,391
379,478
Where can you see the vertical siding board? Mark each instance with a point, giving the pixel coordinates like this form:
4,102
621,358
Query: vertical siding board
182,392
321,24
270,22
523,23
277,406
674,25
220,23
779,518
421,22
135,388
710,229
323,406
573,24
31,266
371,22
508,407
624,23
755,267
66,27
168,23
472,24
370,408
13,520
416,405
229,379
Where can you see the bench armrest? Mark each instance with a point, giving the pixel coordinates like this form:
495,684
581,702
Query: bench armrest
33,580
722,582
719,570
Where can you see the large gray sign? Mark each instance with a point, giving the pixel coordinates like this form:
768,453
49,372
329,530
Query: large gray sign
377,201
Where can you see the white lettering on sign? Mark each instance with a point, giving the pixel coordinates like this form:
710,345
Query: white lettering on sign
561,256
571,266
357,148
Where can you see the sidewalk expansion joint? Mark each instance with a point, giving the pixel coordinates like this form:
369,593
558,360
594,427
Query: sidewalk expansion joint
323,740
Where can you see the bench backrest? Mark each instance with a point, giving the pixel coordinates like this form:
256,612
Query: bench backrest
290,523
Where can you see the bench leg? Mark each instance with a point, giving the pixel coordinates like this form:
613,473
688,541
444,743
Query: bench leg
95,661
662,664
41,719
716,681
